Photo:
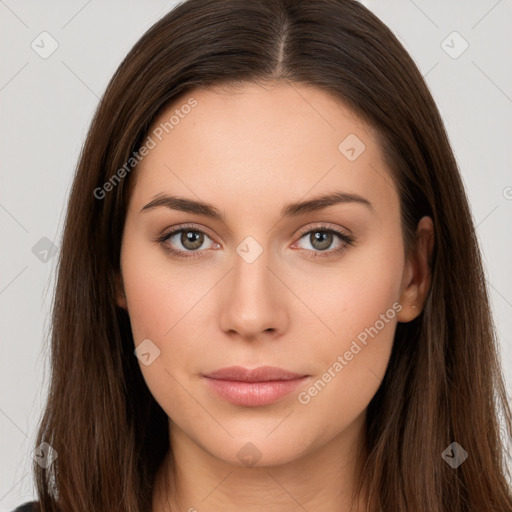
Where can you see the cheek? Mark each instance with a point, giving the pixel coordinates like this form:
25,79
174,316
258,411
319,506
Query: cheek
353,294
161,299
164,301
159,292
150,313
358,305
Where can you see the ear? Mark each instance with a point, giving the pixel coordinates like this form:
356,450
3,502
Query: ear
120,293
417,272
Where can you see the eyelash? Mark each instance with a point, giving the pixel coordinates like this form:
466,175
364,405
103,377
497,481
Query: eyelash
347,239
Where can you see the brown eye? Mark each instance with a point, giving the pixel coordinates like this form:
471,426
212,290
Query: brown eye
322,238
186,242
191,240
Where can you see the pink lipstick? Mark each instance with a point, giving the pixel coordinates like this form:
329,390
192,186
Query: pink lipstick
259,386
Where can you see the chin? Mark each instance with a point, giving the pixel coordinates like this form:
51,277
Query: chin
257,451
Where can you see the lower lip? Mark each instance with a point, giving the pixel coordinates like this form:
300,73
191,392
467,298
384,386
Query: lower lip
252,394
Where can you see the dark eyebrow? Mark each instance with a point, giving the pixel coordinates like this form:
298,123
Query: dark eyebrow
291,210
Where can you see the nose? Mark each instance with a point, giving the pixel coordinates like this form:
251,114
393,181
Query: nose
253,300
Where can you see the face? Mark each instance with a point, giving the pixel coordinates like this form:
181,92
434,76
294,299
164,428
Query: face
251,281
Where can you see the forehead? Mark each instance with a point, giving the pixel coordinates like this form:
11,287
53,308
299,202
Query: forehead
260,142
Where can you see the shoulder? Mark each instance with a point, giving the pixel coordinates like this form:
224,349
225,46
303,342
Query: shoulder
30,506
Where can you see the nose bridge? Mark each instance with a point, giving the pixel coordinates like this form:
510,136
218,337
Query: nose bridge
251,273
251,276
253,302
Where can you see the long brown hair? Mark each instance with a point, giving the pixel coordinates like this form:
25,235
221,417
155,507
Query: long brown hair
444,382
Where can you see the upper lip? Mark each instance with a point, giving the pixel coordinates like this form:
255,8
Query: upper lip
260,374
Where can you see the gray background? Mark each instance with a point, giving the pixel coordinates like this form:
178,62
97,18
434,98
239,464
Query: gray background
46,105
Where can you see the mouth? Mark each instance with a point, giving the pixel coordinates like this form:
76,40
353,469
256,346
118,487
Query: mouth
253,387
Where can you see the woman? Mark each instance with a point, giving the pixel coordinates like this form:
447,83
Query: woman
270,292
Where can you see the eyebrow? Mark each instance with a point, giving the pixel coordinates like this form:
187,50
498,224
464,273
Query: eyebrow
290,210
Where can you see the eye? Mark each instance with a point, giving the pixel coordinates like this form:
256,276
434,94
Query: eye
188,239
185,240
322,237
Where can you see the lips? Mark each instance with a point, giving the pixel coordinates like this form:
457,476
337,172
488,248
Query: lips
253,387
260,374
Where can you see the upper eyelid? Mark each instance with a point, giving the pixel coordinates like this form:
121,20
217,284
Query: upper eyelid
323,226
320,226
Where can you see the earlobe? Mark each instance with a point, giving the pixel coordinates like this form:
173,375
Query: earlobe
120,293
417,273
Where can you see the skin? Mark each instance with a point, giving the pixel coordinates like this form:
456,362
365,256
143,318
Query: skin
249,151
